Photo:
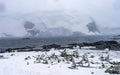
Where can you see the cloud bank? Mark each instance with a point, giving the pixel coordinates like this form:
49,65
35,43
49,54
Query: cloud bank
106,13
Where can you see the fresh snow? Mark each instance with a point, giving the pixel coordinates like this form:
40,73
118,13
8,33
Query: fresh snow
15,64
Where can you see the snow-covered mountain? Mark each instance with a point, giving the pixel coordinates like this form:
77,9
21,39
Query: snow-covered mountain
92,27
47,23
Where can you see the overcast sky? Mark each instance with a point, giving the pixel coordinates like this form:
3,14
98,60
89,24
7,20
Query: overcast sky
105,12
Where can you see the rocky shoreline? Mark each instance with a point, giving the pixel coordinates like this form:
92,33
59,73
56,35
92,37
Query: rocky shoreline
99,45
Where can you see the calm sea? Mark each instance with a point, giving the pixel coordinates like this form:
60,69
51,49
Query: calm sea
20,42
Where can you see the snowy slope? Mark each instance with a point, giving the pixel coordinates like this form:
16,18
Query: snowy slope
15,64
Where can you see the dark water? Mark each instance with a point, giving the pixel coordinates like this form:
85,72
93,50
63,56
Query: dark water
19,42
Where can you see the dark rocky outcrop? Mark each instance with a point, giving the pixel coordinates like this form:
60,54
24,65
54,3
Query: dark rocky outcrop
22,49
51,46
100,45
92,27
112,45
115,69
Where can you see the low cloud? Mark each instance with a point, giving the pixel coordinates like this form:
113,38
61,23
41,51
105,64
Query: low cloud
106,13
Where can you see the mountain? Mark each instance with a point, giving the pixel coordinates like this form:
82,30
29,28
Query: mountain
47,23
92,27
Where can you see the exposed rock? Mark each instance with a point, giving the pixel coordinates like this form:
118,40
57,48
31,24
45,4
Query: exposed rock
113,69
51,46
92,27
100,45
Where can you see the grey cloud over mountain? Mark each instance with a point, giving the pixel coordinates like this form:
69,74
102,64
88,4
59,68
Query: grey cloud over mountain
72,15
102,10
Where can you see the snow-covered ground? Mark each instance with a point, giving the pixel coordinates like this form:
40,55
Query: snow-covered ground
23,63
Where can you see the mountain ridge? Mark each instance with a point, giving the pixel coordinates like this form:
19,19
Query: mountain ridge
47,23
